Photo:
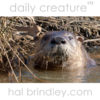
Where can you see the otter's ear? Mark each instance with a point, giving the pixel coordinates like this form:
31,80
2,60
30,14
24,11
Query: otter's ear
79,38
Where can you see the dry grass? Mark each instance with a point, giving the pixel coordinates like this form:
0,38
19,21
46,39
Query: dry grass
6,30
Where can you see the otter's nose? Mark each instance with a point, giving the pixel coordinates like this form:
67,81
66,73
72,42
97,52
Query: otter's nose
58,40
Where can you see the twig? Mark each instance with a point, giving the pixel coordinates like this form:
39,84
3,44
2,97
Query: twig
91,40
20,73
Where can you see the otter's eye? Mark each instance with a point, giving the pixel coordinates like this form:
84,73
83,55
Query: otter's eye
70,37
46,37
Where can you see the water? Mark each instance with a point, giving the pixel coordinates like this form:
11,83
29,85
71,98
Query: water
86,75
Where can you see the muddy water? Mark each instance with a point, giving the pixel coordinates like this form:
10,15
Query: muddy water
86,75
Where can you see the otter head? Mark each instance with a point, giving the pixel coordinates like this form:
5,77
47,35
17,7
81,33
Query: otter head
58,50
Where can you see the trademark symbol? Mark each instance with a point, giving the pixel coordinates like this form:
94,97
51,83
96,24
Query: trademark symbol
90,2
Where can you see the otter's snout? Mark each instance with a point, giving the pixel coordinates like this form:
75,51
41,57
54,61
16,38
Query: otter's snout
58,40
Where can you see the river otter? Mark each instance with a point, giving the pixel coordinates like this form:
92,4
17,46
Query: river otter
61,49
